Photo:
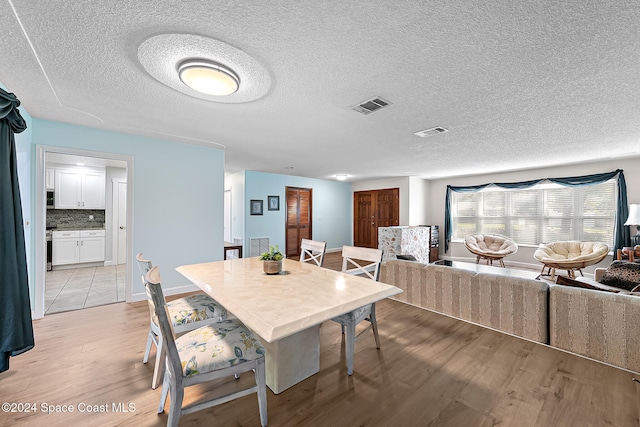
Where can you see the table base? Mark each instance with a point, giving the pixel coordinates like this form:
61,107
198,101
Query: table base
292,359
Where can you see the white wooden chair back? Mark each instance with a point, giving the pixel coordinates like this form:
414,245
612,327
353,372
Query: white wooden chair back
312,250
353,255
156,298
144,265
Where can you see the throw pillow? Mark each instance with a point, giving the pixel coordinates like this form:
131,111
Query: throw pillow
622,274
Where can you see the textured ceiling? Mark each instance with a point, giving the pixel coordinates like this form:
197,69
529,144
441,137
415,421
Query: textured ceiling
519,84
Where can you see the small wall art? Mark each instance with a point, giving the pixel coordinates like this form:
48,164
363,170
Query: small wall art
256,207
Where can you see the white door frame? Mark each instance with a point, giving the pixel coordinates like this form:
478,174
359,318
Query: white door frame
40,215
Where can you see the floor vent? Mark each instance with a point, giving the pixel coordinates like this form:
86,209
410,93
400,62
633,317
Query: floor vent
430,132
258,245
371,105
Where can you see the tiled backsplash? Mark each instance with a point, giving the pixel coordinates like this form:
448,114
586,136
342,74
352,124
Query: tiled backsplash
75,219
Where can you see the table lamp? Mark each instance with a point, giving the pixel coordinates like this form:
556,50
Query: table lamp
634,219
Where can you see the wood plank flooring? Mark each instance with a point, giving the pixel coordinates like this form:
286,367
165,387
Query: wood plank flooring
431,370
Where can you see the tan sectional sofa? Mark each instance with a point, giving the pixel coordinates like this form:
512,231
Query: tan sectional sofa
509,304
601,325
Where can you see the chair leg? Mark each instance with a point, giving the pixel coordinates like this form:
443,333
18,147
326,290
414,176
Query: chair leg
261,382
478,259
502,263
374,323
175,406
163,396
147,350
158,370
350,345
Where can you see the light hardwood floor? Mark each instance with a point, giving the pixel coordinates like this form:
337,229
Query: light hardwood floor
431,370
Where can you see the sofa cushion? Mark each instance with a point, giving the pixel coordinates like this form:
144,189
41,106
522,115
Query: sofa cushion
622,274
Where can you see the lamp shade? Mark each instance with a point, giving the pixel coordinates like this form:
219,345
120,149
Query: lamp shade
634,215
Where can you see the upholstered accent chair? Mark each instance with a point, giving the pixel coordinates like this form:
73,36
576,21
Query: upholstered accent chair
490,247
185,314
312,251
569,256
220,350
352,263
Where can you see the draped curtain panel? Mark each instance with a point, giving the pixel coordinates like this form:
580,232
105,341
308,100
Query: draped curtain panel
16,328
621,236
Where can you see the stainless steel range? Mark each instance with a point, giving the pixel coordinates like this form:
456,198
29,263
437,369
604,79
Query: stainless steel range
49,246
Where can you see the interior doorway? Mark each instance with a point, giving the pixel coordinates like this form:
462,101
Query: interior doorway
298,219
117,244
373,209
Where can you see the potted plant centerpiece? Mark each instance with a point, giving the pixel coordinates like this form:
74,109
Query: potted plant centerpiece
272,260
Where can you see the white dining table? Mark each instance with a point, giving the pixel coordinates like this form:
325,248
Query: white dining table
285,310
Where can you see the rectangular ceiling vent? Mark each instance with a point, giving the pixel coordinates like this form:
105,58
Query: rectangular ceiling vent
373,104
430,132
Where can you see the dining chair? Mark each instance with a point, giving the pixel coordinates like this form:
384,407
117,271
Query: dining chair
312,250
219,350
185,314
352,263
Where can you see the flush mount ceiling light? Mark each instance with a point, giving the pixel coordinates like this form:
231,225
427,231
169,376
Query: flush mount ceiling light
341,177
208,77
166,57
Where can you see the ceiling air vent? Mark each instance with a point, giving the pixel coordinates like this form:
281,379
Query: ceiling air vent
371,105
430,132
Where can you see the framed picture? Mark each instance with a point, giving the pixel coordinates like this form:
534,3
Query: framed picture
256,207
274,203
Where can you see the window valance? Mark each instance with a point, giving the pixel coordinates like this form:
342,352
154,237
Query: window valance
621,234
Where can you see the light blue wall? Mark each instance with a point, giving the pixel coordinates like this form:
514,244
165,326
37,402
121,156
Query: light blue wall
331,204
177,194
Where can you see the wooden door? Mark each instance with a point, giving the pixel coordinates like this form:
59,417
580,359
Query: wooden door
298,222
373,209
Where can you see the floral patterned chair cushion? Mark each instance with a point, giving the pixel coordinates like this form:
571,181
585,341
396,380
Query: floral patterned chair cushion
195,308
217,346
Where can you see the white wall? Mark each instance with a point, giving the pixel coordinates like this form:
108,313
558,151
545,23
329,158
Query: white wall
630,166
235,183
110,174
419,190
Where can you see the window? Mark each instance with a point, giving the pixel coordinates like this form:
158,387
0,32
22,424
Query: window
546,212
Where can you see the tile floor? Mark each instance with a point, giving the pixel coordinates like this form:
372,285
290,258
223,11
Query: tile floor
78,288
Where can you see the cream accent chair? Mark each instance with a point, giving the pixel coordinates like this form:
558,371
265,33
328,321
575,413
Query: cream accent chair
351,258
490,247
205,354
185,314
312,251
569,256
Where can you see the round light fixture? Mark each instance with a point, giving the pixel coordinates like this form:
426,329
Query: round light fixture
208,77
341,177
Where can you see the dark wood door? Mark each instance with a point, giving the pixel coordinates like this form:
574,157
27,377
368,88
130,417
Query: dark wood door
298,222
373,209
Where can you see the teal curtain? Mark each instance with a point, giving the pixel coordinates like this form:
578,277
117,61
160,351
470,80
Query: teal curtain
16,329
621,236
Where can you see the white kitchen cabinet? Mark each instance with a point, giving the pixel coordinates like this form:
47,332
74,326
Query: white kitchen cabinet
77,246
92,245
79,189
50,179
65,247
